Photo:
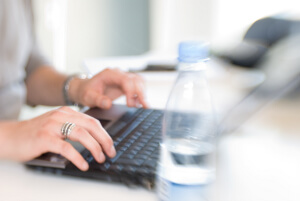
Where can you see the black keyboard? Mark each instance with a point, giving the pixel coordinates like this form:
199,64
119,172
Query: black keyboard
136,138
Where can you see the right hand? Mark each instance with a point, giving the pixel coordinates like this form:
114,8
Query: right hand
26,140
106,86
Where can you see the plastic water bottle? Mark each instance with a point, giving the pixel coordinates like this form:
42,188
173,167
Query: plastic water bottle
188,147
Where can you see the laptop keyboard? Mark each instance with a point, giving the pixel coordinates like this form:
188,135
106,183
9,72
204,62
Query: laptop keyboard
136,138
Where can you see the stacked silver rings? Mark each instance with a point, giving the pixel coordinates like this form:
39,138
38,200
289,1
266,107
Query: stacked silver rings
66,129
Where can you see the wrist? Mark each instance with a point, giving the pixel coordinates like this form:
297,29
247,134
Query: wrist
71,88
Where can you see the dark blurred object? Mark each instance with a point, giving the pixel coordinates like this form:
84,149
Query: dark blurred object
271,45
259,38
245,54
157,67
281,67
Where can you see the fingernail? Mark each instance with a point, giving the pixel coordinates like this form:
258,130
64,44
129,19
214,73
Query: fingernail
85,166
113,151
101,157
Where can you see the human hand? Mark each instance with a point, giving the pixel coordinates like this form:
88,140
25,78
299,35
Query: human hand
106,86
28,139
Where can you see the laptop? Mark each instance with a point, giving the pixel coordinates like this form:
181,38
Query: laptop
136,133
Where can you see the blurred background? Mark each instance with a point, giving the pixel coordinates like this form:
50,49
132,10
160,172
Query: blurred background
71,31
261,160
76,35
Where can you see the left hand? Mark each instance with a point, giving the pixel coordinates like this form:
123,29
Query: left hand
25,140
106,86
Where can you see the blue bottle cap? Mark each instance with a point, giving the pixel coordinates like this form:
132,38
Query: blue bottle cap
192,51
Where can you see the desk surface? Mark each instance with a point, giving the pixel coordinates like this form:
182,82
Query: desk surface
260,161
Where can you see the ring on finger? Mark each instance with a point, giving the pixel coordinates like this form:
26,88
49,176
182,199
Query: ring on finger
66,129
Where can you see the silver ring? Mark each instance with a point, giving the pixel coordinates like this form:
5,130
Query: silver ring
66,129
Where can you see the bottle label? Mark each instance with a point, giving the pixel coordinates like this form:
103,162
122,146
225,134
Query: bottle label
163,189
169,191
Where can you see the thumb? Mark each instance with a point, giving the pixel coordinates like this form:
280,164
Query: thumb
104,102
95,99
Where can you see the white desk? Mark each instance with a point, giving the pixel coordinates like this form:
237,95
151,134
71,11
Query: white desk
261,161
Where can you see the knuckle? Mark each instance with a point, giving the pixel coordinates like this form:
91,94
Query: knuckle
55,113
93,121
80,130
107,70
58,112
64,108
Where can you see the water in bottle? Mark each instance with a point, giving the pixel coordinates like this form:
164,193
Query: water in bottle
187,160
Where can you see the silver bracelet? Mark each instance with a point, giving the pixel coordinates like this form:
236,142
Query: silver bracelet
66,87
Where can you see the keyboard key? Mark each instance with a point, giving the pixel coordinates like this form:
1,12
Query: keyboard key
143,171
150,163
104,167
127,156
136,162
145,152
119,153
140,156
136,141
117,167
130,169
151,149
133,152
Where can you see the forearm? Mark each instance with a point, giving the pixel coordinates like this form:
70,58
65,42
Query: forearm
44,87
6,134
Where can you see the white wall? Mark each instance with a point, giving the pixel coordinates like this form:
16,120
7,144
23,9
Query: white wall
51,26
220,22
72,30
233,17
175,20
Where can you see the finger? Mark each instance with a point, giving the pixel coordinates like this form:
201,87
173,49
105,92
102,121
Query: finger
126,81
140,88
65,149
123,81
134,91
96,99
92,126
129,87
81,135
131,84
103,102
